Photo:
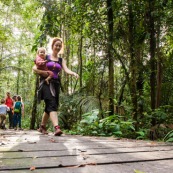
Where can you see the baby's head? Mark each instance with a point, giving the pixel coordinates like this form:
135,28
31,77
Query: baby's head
2,101
41,52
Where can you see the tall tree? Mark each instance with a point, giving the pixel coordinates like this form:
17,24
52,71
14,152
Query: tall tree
133,65
152,51
110,55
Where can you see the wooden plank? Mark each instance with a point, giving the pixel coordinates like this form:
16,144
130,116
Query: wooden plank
26,136
146,167
21,150
76,152
40,143
85,159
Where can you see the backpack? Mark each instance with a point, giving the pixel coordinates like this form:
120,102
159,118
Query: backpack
17,107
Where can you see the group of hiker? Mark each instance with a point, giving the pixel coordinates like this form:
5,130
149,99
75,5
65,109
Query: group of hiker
13,108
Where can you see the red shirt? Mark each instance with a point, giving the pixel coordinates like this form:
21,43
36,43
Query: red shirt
9,102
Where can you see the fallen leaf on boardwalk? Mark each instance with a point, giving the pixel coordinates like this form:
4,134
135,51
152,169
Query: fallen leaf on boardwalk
137,171
82,165
30,142
91,164
74,166
77,166
32,168
34,157
52,140
82,150
20,150
85,157
153,143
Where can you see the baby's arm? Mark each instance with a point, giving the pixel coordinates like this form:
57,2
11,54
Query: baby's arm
40,72
40,61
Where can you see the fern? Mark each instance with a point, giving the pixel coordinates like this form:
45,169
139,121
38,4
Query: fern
169,137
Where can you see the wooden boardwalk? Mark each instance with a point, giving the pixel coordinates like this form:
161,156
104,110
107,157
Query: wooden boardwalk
23,151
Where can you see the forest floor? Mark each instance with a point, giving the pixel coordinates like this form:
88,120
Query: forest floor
26,151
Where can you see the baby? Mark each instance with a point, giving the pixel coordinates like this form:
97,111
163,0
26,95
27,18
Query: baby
41,63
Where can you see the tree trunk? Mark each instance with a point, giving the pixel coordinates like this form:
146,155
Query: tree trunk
140,83
120,98
34,107
66,81
110,56
133,65
80,59
159,67
152,56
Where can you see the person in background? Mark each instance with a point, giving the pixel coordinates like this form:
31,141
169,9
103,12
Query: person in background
41,61
18,112
50,93
14,98
9,103
3,113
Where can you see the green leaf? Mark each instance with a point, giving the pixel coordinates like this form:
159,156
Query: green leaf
137,171
141,133
94,132
132,127
117,133
169,140
84,121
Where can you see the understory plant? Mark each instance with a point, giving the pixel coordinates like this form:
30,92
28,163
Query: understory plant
110,126
168,137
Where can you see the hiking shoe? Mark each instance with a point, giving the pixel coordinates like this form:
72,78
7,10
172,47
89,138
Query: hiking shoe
42,129
58,131
3,127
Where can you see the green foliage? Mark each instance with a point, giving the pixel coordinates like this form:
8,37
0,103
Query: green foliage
115,125
89,123
109,126
142,134
72,106
168,137
159,115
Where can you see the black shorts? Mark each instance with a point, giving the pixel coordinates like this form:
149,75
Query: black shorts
50,105
51,102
